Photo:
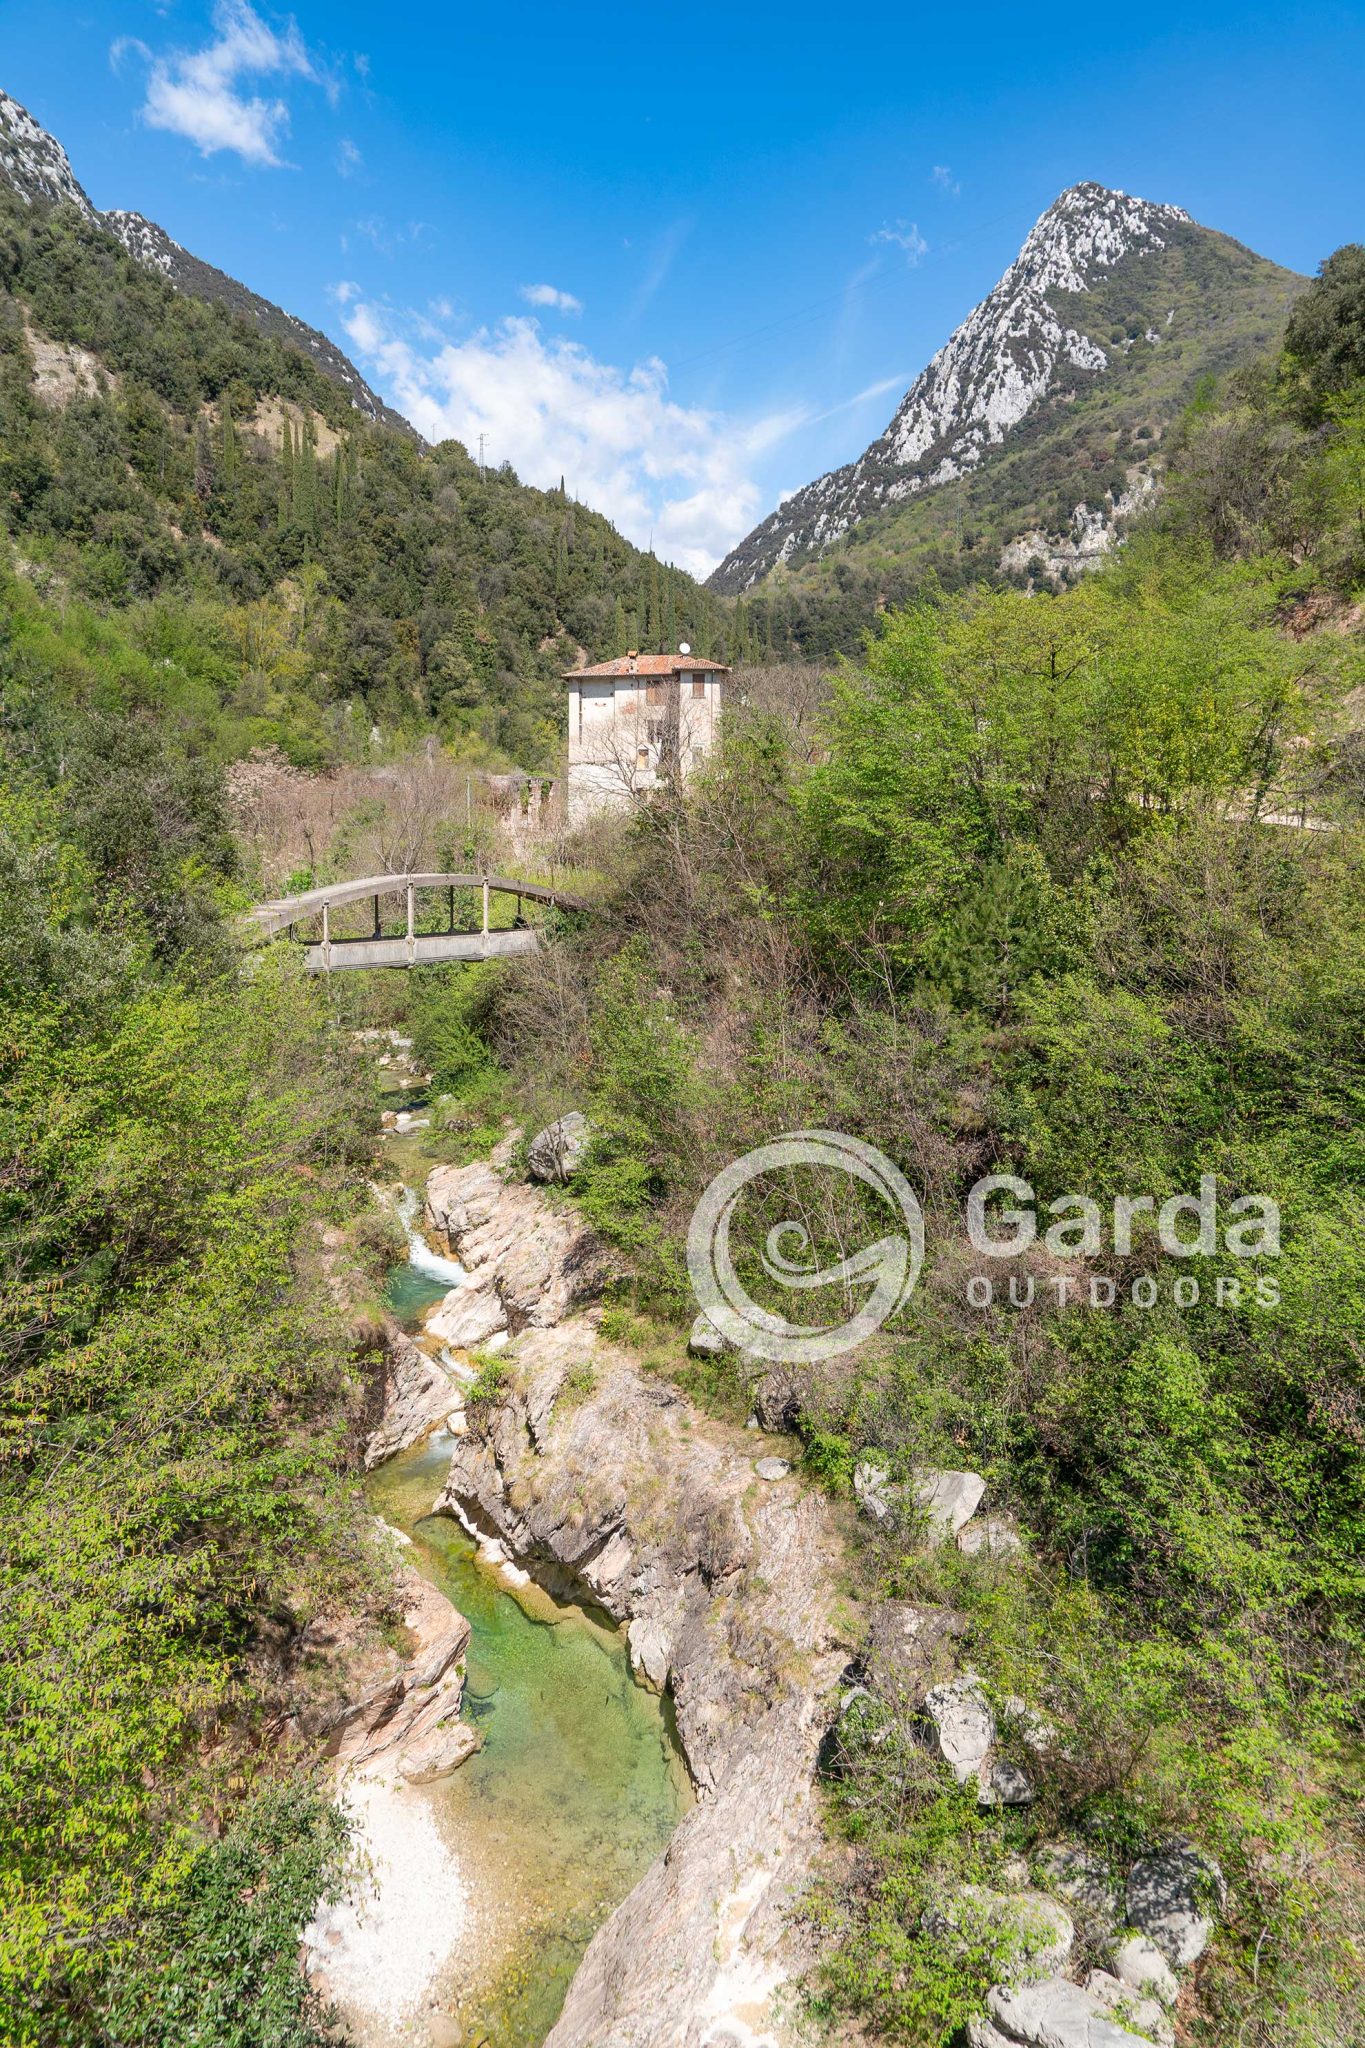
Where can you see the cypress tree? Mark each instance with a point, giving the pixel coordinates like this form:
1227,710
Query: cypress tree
229,444
286,471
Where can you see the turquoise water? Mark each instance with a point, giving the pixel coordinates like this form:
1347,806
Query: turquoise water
410,1294
575,1791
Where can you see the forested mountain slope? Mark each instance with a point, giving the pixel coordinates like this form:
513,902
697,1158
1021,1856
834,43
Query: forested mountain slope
1044,414
328,576
36,166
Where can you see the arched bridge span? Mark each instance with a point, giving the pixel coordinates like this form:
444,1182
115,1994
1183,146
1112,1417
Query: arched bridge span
324,920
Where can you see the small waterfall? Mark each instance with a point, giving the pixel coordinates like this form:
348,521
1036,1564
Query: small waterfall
420,1255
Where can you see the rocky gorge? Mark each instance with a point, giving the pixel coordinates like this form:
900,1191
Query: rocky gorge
567,1461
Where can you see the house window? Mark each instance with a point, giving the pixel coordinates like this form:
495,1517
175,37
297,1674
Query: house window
699,686
654,731
642,757
654,693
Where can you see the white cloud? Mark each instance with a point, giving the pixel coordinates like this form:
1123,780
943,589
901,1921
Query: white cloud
945,180
384,238
549,295
660,470
905,235
349,159
199,93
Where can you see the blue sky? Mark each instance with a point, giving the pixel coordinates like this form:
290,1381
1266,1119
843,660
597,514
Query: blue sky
686,257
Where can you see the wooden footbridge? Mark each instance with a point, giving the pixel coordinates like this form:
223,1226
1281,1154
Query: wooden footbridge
327,925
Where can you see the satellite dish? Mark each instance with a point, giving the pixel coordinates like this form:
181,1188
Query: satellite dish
683,647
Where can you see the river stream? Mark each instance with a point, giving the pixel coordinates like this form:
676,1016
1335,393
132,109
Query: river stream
578,1783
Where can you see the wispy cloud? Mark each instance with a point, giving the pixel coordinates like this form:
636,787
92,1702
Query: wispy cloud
202,95
679,474
904,235
550,295
863,397
944,179
383,236
349,160
663,252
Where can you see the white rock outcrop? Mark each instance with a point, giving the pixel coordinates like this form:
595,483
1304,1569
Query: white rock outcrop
1140,1965
415,1399
525,1262
963,1724
401,1713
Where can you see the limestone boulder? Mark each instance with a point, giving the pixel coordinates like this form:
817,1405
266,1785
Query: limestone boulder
557,1152
911,1650
1004,1783
872,1490
1084,1879
992,1536
964,1726
1026,1934
468,1317
777,1398
1055,2013
650,1645
1140,1965
704,1339
949,1500
437,1752
1173,1898
1146,2016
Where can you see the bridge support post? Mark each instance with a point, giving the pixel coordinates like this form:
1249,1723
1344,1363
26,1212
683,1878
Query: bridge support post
326,939
485,915
412,932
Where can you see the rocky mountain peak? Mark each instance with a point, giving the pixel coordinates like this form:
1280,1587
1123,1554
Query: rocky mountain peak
34,162
1011,350
1088,229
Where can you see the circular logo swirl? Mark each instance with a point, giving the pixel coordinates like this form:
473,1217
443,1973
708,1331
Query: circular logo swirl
892,1264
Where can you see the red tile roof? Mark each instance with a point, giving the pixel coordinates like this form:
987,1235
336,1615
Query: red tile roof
646,665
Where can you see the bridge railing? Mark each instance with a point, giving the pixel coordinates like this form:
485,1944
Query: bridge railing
327,948
269,919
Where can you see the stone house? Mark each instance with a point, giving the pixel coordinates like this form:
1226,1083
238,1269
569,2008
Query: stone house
639,721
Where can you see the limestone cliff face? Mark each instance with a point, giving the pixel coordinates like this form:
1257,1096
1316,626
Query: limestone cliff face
1105,290
624,1496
